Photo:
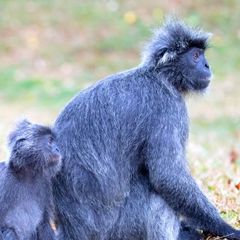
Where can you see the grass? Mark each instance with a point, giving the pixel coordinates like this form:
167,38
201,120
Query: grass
50,50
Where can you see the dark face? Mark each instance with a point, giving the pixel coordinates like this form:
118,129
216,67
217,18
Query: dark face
47,144
195,69
33,147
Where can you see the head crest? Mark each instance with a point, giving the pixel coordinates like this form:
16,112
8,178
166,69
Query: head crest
26,129
172,39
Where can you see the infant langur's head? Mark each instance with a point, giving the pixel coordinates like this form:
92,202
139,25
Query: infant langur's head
33,150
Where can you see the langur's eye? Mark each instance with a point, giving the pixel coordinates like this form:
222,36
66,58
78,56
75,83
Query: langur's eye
50,140
21,140
196,55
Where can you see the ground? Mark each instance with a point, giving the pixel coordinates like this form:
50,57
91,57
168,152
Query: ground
50,50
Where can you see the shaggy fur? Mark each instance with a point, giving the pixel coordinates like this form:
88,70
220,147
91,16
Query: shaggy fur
25,184
123,142
171,40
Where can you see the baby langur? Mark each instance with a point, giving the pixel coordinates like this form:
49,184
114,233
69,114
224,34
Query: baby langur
25,183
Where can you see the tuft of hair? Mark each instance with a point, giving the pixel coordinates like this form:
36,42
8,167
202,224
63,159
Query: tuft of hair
171,40
26,129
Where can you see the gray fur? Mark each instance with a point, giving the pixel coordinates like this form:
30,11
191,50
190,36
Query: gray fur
123,141
25,184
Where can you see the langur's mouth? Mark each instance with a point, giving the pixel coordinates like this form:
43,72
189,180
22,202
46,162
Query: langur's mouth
203,83
54,160
206,80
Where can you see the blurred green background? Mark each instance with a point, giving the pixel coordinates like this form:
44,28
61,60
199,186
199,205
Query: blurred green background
51,49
